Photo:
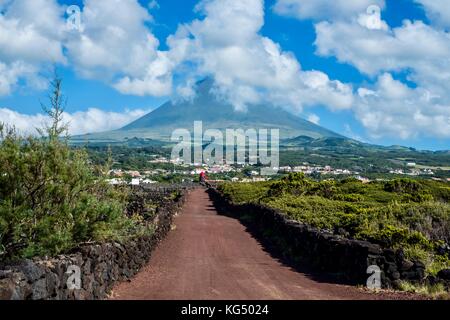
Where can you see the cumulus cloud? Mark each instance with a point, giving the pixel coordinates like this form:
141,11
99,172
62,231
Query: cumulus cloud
414,45
247,67
81,122
30,38
391,108
438,11
155,81
355,34
116,44
415,48
314,118
31,31
10,74
324,9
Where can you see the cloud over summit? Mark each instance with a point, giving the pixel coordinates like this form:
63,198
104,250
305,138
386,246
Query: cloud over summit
407,70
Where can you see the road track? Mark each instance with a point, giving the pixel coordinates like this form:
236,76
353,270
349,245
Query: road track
211,256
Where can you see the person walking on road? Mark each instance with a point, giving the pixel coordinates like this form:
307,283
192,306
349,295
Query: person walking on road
203,178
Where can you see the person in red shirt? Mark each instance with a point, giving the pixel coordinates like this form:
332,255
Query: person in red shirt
203,177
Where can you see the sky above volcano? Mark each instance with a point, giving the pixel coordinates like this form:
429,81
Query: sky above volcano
374,70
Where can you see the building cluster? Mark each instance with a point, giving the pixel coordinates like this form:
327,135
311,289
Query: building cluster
235,170
309,169
413,172
119,177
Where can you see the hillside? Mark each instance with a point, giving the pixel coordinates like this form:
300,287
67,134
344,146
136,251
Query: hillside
215,114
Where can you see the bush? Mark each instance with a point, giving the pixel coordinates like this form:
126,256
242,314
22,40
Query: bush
402,213
403,186
244,192
51,197
294,183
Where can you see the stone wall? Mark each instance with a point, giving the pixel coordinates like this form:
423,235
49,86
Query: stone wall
100,266
323,251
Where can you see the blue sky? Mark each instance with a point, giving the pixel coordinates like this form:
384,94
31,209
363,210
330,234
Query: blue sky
362,94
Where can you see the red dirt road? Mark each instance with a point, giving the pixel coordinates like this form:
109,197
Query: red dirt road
210,256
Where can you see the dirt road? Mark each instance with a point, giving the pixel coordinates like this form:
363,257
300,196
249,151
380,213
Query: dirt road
210,256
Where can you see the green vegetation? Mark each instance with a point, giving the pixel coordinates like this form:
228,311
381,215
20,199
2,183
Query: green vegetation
52,198
370,160
127,158
436,292
402,213
373,162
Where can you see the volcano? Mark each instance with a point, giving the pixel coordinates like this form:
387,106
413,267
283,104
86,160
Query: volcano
215,114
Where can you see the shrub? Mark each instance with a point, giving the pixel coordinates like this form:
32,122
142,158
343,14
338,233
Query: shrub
401,213
51,197
244,192
402,186
294,183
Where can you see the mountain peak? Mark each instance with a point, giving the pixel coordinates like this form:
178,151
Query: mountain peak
217,114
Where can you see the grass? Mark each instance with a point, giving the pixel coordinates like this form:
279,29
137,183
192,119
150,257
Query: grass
435,291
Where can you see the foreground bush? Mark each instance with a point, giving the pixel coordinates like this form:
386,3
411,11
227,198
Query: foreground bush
51,197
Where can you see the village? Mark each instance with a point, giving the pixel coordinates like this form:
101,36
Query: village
163,167
239,172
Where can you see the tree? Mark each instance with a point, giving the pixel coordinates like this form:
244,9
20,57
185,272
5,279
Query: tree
55,111
51,197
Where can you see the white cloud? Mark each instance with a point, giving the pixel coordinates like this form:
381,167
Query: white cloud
116,44
324,9
95,120
11,73
414,46
437,10
22,122
247,67
393,108
30,38
357,36
81,122
31,31
314,118
156,81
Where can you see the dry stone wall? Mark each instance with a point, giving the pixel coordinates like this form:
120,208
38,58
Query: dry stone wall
100,266
346,258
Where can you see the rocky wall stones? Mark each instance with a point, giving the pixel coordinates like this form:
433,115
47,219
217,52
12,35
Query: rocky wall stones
100,266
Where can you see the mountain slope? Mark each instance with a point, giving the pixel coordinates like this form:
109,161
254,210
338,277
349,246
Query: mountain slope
215,114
